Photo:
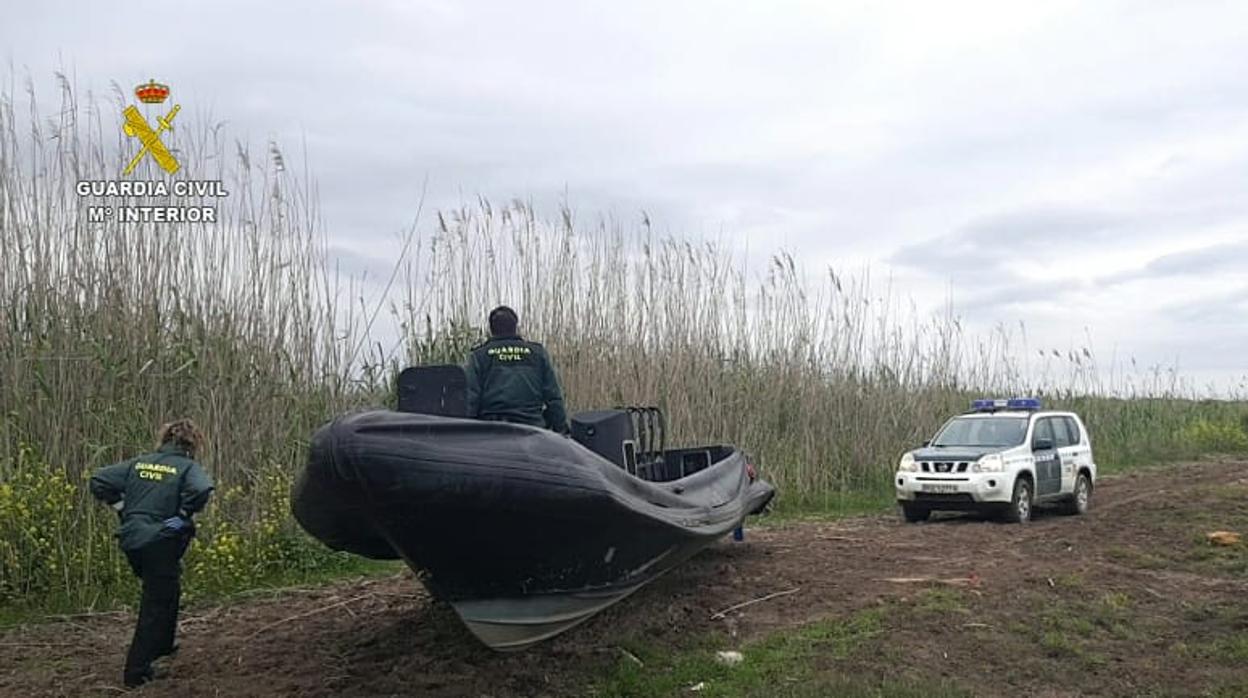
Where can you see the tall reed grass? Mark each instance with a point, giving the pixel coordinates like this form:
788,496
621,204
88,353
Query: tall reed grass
108,329
826,379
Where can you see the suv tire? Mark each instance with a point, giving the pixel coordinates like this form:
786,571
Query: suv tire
1081,497
914,513
1019,509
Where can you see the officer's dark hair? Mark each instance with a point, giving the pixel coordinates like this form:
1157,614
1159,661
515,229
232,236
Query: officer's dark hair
503,321
183,433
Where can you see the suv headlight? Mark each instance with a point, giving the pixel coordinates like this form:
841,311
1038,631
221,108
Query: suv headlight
991,463
907,464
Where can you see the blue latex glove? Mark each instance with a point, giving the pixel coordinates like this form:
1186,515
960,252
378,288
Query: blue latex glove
177,523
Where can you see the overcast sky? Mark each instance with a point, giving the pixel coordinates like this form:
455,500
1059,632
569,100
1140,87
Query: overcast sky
1077,166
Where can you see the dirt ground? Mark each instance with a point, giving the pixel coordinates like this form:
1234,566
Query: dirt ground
1127,600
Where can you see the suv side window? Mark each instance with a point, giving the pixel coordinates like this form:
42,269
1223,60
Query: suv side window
1043,430
1061,430
1076,436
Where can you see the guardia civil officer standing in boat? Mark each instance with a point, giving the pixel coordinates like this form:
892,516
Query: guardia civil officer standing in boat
155,495
511,379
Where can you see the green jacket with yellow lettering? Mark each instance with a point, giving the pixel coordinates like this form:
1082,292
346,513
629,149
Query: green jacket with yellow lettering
152,488
512,380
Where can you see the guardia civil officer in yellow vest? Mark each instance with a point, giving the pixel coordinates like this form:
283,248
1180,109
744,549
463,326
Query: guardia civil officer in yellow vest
155,496
511,379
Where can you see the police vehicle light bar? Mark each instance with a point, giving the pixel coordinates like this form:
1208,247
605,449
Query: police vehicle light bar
1015,403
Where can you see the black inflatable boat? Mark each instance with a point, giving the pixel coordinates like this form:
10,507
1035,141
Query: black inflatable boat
524,532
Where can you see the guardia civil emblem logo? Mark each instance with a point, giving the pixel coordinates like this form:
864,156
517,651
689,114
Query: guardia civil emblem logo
149,139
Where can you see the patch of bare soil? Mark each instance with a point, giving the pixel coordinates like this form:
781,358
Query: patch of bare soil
1127,600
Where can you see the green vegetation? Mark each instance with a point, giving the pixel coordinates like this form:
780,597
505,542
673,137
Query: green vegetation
1230,649
940,602
1187,546
792,663
842,505
109,329
911,646
47,540
1223,639
1216,437
1231,561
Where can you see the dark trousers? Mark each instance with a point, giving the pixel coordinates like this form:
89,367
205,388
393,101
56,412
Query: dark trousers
159,565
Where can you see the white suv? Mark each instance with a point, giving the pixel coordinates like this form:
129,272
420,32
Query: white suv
1003,455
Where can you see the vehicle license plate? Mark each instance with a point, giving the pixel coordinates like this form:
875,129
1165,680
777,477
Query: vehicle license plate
943,489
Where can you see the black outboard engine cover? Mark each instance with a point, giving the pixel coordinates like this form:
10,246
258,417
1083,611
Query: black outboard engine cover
438,390
609,433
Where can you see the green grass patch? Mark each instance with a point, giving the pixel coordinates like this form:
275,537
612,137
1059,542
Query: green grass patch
1231,650
1228,561
1066,619
787,661
1200,558
834,507
1116,601
1062,645
1113,613
842,687
1180,540
1237,689
1077,628
940,602
1216,615
1233,493
1072,581
1134,557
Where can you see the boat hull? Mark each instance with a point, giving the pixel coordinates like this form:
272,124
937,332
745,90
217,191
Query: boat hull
526,533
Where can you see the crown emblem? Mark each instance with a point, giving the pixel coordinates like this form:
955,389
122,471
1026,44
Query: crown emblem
152,92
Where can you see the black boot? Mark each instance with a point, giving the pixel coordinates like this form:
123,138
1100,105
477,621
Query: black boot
136,680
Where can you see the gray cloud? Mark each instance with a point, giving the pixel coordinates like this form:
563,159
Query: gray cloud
982,248
1019,297
1229,257
1223,313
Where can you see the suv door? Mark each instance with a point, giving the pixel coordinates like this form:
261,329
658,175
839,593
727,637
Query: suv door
1080,450
1064,441
1048,462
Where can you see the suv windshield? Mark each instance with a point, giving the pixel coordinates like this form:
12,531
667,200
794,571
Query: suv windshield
982,431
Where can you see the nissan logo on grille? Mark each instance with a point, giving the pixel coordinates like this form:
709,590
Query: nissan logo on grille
944,466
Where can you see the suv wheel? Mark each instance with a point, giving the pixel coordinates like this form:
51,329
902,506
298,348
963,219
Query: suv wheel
914,513
1080,498
1019,510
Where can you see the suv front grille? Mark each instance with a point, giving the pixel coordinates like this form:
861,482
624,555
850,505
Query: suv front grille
944,466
